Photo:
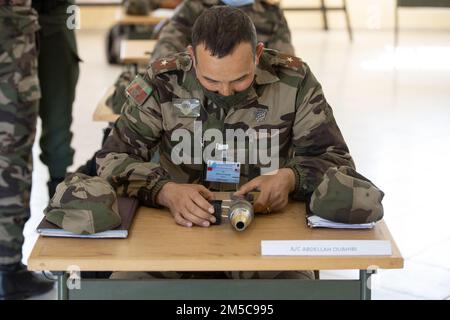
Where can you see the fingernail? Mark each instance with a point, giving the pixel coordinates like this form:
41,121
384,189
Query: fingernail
211,210
213,219
206,224
189,224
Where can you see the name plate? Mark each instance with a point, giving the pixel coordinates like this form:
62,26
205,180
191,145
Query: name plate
326,248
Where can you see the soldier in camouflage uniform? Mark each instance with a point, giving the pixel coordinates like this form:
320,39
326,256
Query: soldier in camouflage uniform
137,7
19,97
240,85
143,7
271,25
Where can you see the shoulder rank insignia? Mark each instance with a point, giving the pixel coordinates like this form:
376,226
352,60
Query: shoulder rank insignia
139,90
179,61
289,61
164,65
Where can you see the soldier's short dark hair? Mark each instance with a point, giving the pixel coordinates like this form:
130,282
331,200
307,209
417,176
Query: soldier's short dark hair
221,29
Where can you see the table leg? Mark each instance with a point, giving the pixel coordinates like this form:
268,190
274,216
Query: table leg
323,8
63,291
347,19
365,284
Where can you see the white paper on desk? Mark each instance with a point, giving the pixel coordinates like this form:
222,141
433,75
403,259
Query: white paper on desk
326,248
318,222
163,13
119,234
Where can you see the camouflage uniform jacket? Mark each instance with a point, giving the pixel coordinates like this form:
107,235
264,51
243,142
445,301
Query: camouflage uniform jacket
271,26
284,92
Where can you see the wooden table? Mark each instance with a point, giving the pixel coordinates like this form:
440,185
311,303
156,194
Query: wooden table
102,111
136,51
156,243
153,18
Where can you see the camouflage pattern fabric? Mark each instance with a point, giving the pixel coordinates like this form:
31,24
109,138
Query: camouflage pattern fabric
271,26
19,98
348,197
285,91
143,7
118,98
84,205
137,7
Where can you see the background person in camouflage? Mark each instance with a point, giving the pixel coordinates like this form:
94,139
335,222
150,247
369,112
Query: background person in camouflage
19,97
271,25
143,7
236,80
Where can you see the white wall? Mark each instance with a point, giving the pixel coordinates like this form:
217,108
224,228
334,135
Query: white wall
369,14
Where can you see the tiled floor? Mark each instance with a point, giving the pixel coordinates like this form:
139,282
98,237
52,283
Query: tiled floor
393,107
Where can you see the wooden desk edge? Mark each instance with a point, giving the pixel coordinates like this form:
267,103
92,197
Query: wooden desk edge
38,264
123,18
141,58
102,112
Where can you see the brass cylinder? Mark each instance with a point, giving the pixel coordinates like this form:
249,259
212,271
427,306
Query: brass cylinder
240,214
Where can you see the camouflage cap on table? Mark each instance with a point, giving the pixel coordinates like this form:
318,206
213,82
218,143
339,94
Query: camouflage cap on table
346,196
84,205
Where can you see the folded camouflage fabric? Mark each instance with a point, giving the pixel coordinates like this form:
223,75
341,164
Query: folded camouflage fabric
137,7
84,205
346,196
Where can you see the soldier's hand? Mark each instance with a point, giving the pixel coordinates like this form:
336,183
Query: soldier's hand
188,203
274,190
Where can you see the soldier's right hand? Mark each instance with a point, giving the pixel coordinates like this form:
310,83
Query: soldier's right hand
188,203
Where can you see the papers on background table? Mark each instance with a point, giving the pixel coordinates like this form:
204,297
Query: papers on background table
318,222
163,13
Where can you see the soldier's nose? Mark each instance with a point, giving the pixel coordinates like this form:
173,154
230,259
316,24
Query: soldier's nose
226,91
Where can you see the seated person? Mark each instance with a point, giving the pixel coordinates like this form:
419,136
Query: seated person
229,83
271,25
143,7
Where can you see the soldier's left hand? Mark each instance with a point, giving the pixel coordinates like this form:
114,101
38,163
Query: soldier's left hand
274,190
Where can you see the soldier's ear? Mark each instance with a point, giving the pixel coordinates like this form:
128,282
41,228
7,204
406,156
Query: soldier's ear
192,54
258,52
